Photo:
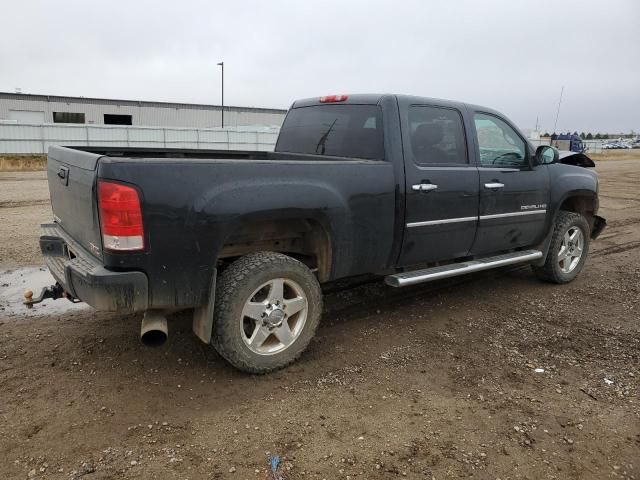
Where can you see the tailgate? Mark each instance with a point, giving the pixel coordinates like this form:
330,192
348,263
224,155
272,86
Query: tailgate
72,179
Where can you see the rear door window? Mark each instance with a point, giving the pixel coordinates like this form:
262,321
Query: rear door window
437,136
337,130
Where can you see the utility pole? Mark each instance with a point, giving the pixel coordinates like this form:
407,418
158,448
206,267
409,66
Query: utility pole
221,64
555,125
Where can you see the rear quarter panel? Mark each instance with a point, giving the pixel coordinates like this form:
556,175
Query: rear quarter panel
190,207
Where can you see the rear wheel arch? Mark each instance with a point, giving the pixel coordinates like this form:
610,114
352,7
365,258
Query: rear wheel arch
306,239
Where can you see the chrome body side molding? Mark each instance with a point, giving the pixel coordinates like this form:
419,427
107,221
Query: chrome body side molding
472,219
441,222
512,214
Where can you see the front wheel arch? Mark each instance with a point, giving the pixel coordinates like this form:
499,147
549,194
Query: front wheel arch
582,202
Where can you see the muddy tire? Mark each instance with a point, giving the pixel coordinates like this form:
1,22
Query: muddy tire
568,249
268,307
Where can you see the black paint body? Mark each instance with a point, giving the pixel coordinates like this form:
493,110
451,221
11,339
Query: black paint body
194,200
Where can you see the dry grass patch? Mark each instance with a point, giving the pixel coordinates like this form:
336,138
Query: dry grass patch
608,155
20,163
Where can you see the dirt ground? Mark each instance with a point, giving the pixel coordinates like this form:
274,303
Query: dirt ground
436,381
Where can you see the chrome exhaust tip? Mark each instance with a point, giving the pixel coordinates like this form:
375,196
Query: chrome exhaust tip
154,330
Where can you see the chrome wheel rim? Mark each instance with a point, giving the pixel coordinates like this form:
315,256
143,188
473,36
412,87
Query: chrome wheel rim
273,316
571,249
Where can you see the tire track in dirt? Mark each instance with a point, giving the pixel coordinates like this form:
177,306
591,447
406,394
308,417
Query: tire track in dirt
19,179
620,248
23,203
617,197
622,223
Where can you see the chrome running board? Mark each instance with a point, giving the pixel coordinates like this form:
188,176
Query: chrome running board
445,271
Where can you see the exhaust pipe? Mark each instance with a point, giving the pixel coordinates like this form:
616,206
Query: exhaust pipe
154,330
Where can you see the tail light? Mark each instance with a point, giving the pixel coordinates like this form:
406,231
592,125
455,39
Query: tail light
120,217
333,98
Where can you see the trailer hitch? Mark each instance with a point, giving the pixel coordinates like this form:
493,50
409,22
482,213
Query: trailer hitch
53,292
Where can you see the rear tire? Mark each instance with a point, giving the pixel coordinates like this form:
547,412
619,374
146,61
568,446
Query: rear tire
268,307
568,249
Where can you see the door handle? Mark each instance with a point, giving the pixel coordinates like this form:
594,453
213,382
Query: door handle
424,187
493,185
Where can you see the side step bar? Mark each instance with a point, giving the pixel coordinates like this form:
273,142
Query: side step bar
445,271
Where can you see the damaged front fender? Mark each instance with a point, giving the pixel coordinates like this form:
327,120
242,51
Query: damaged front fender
575,158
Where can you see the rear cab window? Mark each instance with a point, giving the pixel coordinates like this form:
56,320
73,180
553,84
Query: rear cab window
345,130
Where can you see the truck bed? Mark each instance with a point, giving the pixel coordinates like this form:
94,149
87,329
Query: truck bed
194,201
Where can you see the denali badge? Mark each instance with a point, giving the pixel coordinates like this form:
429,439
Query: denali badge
539,206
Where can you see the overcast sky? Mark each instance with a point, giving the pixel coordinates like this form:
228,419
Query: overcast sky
511,55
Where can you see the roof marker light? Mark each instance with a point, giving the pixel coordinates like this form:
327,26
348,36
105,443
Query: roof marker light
333,98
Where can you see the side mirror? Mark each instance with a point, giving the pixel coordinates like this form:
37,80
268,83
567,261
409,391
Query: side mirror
546,155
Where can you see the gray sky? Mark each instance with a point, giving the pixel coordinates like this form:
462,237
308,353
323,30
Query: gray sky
512,55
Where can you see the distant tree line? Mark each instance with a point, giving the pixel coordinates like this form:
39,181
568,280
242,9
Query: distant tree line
591,136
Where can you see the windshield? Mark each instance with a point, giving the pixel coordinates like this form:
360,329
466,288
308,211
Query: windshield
337,130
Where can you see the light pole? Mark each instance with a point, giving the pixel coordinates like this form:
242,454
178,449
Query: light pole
221,64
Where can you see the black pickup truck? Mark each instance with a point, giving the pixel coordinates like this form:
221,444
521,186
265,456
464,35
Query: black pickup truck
406,188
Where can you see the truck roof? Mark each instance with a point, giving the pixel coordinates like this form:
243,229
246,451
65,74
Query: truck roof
375,98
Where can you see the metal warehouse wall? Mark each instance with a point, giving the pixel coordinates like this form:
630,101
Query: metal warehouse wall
37,138
142,113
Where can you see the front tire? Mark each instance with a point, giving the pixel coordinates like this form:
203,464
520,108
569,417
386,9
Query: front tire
568,249
268,307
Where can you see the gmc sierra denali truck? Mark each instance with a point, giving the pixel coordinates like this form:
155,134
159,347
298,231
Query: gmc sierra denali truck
406,188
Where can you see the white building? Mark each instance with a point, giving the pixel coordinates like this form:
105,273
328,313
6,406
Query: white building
27,108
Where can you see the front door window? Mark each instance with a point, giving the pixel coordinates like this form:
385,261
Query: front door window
500,145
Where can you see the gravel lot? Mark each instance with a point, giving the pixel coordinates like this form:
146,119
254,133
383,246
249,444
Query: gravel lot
437,381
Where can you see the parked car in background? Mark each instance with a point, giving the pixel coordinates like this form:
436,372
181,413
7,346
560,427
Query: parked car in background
618,145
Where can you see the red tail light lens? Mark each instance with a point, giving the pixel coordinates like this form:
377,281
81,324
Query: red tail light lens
333,98
120,217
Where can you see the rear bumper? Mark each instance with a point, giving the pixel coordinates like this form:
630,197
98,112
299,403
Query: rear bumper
84,277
